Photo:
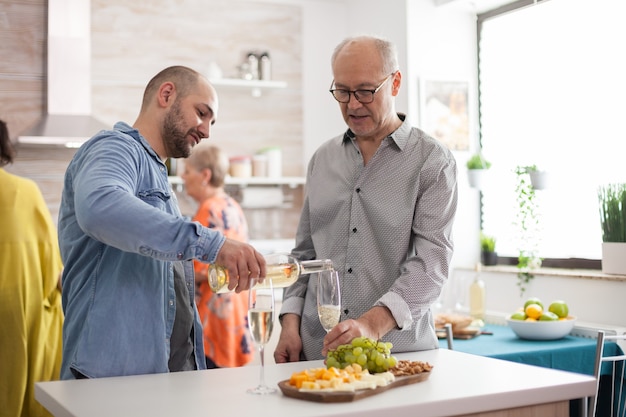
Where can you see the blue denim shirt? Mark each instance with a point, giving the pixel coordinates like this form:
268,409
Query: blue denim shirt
120,228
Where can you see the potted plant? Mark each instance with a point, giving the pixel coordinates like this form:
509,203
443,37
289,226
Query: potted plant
488,254
527,221
538,177
476,166
613,220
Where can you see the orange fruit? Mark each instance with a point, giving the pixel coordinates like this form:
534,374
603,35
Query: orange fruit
533,311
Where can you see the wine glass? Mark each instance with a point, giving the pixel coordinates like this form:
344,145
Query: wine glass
328,299
261,321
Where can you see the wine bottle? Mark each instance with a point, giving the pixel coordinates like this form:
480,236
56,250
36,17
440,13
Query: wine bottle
281,268
477,296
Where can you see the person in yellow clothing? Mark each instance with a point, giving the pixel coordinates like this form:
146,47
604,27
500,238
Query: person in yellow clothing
31,318
227,341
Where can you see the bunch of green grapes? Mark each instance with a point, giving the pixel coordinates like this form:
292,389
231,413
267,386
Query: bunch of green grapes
375,356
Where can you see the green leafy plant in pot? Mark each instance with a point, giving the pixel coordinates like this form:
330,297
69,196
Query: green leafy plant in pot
612,199
527,222
476,166
488,254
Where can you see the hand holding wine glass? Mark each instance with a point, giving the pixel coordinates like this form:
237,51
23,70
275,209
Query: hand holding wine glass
261,321
328,299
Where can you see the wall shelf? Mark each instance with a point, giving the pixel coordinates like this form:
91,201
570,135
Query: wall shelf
292,182
255,86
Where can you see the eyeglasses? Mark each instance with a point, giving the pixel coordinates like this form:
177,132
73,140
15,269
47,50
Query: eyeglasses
362,96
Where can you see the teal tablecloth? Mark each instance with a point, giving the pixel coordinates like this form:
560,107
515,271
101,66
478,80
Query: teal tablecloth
571,353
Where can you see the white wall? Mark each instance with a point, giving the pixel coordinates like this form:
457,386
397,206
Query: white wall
443,47
323,27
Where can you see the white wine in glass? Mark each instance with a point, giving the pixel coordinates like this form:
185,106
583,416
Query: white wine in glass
328,299
261,308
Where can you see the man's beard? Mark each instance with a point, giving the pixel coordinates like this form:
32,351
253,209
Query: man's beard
175,137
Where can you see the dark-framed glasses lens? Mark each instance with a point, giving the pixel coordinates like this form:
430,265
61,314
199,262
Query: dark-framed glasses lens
364,96
341,96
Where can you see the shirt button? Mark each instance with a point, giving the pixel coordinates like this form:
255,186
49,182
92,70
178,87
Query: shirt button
354,230
179,256
205,257
358,190
345,311
171,302
349,270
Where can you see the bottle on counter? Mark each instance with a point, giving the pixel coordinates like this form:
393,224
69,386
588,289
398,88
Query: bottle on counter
265,67
477,296
283,269
253,63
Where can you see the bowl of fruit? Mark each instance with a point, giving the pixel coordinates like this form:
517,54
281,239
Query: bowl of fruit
534,322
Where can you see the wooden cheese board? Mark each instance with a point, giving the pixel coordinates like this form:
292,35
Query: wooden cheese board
347,396
469,332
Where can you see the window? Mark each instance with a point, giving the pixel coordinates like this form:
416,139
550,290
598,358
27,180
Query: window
552,94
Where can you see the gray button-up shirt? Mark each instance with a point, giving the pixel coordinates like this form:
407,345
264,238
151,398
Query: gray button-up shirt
387,228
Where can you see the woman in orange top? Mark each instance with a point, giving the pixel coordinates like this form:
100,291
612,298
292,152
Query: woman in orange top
227,341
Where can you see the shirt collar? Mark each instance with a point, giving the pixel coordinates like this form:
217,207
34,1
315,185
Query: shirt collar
134,133
400,136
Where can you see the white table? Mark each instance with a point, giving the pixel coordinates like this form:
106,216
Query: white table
459,384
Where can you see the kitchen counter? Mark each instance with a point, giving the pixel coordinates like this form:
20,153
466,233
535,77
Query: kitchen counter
459,384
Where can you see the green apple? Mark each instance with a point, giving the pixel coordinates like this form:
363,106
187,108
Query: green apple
533,300
548,316
518,315
559,308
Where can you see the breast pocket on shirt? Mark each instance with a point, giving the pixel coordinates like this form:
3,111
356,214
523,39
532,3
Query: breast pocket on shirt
156,198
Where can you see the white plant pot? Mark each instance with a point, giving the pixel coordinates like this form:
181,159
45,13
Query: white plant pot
539,179
476,178
614,258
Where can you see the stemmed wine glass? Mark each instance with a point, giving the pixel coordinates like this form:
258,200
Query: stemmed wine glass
328,299
261,321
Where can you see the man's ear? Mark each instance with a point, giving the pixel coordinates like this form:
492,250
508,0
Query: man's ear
397,80
166,94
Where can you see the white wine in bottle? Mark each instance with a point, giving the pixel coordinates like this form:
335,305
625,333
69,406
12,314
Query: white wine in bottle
282,269
477,296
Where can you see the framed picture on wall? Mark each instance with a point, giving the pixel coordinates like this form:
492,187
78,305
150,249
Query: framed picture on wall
444,112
